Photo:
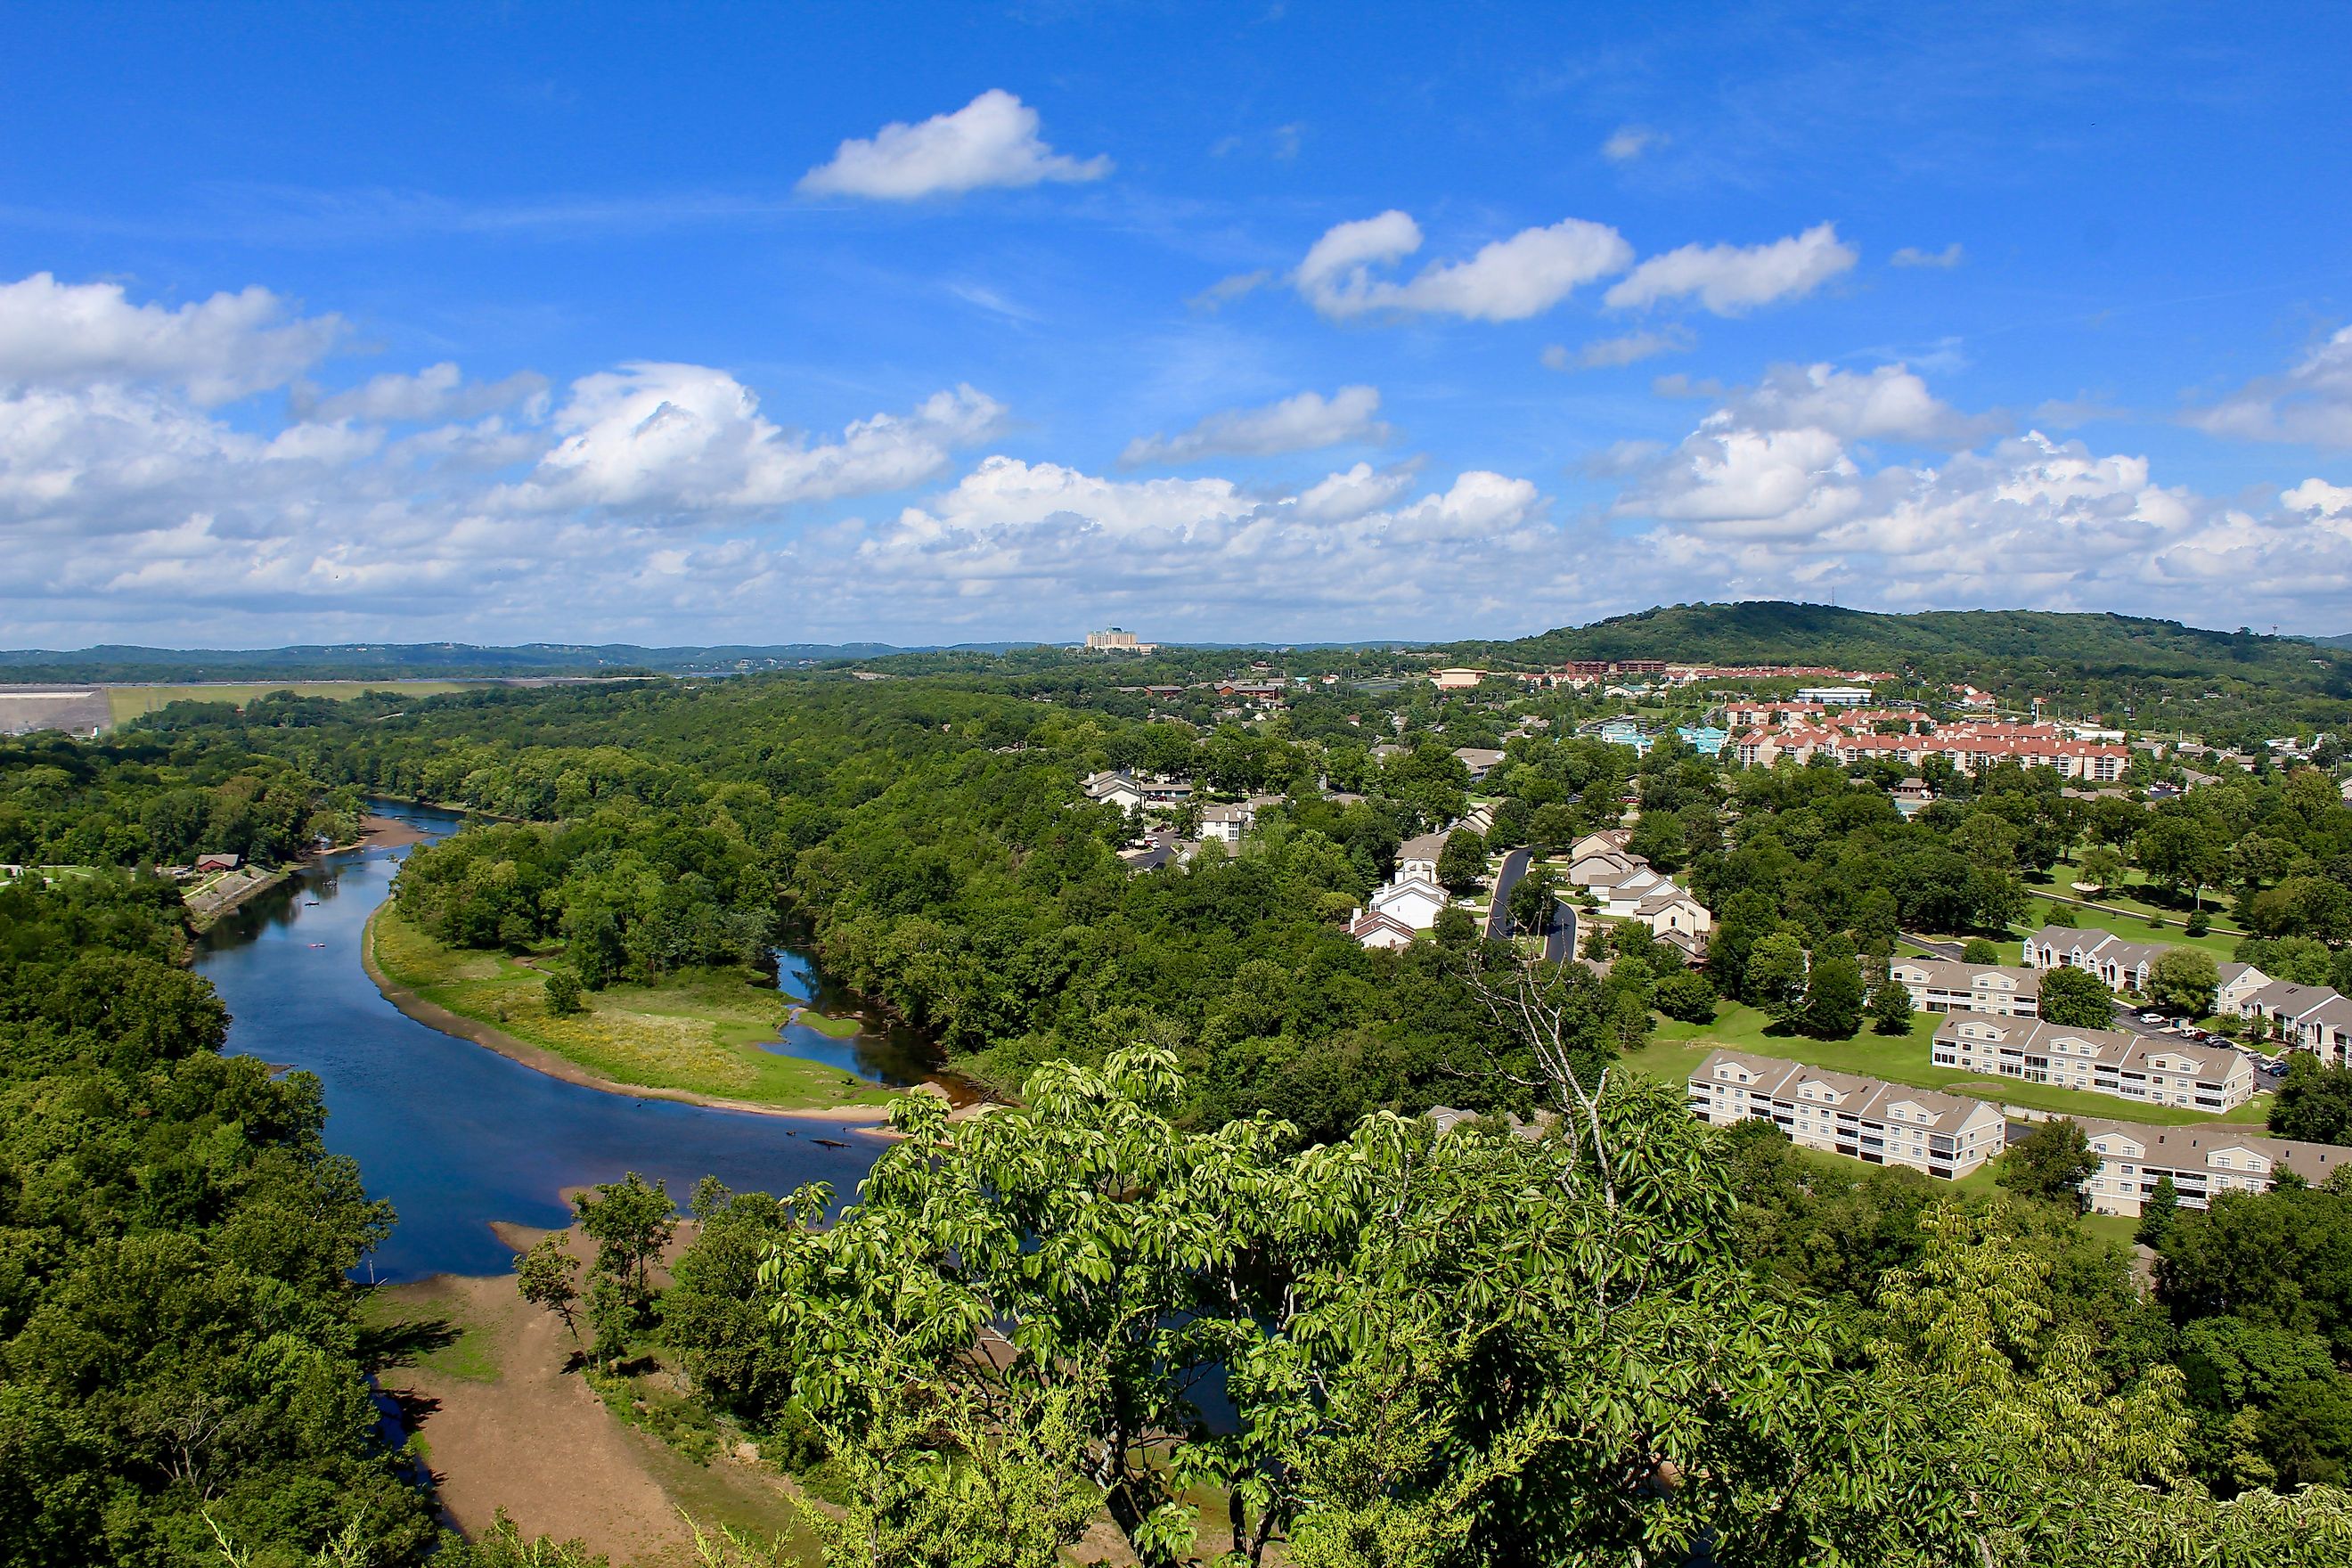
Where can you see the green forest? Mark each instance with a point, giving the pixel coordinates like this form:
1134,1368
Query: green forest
1211,1273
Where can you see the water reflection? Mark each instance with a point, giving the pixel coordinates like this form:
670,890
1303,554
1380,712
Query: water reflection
457,1136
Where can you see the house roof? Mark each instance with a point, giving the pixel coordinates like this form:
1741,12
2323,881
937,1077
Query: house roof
2212,1064
1428,847
1865,1097
1951,975
2193,1147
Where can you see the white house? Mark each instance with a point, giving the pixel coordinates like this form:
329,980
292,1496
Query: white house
1226,824
1418,857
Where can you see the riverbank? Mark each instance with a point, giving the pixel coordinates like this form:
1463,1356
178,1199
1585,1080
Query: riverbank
505,1419
689,1042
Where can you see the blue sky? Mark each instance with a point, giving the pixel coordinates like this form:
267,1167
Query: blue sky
961,323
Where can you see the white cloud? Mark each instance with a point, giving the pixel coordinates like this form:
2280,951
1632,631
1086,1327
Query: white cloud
2320,499
1628,142
215,350
991,141
684,438
1608,353
1225,291
1507,281
1890,403
1732,279
437,392
1300,423
1338,497
2311,404
1912,256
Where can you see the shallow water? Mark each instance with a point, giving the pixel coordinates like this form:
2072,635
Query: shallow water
455,1134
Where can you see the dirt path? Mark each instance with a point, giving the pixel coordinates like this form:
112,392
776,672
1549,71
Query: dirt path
508,1424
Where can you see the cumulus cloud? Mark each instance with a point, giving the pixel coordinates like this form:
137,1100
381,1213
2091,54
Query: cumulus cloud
1912,256
1608,353
991,141
1732,279
1507,281
1338,497
2319,499
1890,403
215,350
437,392
1300,423
2312,402
685,438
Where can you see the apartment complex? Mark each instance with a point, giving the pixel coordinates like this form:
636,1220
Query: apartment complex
1947,986
1843,1114
2155,1070
2203,1162
1972,746
2120,965
2316,1018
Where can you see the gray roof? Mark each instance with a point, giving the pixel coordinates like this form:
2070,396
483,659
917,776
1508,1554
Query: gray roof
1428,847
1951,975
1779,1079
2188,1148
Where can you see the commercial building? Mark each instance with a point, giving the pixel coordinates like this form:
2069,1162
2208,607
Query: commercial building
1114,639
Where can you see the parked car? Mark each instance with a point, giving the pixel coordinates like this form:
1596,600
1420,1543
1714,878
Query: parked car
2151,1017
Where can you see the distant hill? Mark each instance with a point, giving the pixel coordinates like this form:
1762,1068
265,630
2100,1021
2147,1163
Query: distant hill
1930,642
2235,688
437,660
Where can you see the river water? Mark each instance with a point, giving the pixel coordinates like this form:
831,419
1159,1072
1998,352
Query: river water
457,1136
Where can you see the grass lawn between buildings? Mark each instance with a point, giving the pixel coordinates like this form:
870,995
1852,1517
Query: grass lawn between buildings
2130,926
699,1031
1677,1049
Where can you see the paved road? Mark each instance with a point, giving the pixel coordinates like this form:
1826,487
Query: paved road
1560,935
1940,949
1498,912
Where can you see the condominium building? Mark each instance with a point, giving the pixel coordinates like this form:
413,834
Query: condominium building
2203,1162
2317,1018
1947,986
1843,1114
2155,1069
2120,965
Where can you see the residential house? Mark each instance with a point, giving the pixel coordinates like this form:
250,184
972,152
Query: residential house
2156,1068
1419,856
1115,787
2239,980
1408,902
1480,760
1843,1114
216,863
2202,1160
2121,966
1947,986
2316,1018
1226,824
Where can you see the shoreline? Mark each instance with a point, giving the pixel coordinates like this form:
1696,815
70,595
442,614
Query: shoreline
542,1060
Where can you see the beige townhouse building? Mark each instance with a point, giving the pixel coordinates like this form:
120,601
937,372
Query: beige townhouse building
2155,1070
1845,1114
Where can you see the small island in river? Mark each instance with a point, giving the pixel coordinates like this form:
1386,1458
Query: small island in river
703,1035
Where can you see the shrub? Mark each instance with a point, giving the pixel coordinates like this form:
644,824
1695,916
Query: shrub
1687,997
563,992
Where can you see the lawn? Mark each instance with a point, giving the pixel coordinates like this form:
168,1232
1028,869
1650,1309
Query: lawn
1677,1049
2133,927
129,702
700,1030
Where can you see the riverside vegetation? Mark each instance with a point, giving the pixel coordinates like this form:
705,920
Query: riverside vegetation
1630,1334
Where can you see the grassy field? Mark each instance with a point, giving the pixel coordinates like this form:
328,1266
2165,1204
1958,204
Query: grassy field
130,701
699,1031
2131,927
1677,1049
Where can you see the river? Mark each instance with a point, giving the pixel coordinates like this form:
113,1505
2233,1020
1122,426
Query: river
457,1136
